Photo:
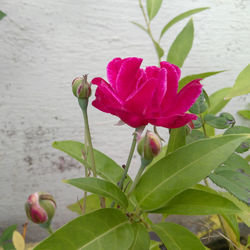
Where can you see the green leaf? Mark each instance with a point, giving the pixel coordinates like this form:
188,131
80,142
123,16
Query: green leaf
185,80
234,163
183,169
217,101
242,84
223,121
2,15
181,17
154,245
195,135
105,166
141,238
7,233
159,50
234,182
199,200
92,204
232,226
103,229
8,246
100,187
140,26
244,146
181,46
177,139
199,106
176,237
153,7
245,114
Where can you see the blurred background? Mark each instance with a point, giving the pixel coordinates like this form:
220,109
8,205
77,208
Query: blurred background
45,44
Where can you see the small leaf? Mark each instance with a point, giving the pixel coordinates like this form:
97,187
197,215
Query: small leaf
7,233
182,45
181,17
153,7
185,80
176,237
18,241
100,187
92,204
182,169
105,166
225,120
199,200
234,182
231,227
141,237
140,26
103,229
245,114
2,15
195,135
159,50
242,84
154,245
177,139
199,106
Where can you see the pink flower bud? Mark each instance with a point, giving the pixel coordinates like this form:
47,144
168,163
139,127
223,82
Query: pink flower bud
40,207
81,88
149,146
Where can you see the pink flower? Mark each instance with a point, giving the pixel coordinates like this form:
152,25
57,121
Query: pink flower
139,96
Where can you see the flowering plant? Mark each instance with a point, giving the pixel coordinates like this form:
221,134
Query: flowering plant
115,214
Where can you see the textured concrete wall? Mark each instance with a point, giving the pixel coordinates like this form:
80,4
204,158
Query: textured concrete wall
45,44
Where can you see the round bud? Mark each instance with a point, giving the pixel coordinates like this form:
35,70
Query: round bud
81,87
149,146
40,207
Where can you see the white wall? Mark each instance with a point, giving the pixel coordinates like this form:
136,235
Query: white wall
45,44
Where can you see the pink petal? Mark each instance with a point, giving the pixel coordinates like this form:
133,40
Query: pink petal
132,119
174,121
127,77
112,71
141,99
187,96
172,84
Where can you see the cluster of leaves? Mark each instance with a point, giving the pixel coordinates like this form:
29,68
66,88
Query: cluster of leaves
169,184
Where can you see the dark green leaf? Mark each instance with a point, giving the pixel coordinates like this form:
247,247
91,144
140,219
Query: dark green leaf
181,17
2,15
177,139
103,229
182,169
234,182
176,237
105,166
92,204
245,114
185,80
8,246
221,122
182,45
234,163
140,26
100,187
199,200
199,106
242,84
141,237
195,135
7,233
153,7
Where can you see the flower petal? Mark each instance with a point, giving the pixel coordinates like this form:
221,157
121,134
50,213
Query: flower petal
172,84
187,96
113,70
127,77
132,119
174,121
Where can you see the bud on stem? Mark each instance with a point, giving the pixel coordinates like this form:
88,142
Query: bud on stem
81,87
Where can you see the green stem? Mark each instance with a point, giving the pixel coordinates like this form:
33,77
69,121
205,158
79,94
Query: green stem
148,28
131,153
144,163
203,125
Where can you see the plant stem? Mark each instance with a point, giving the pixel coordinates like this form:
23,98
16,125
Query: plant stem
50,230
144,163
203,125
149,28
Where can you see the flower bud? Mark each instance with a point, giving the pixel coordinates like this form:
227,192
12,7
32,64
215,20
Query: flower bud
81,87
40,208
149,146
